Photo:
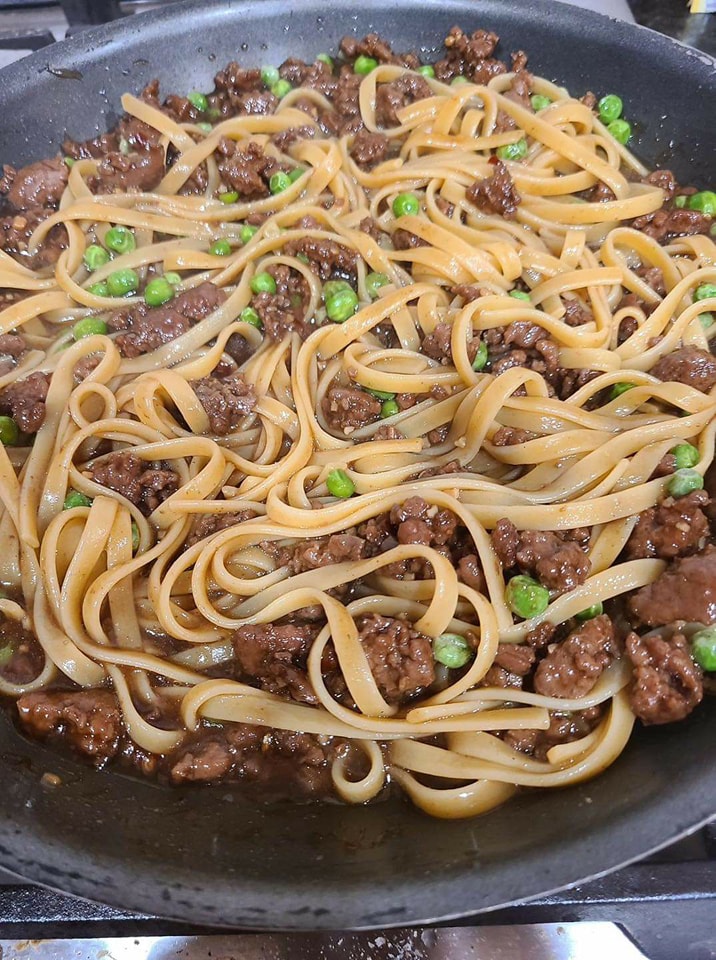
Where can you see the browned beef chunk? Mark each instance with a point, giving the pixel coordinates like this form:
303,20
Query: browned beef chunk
509,436
470,56
211,523
689,365
563,728
513,662
469,572
88,720
226,402
372,45
664,179
284,312
686,590
275,655
671,222
182,109
313,554
246,168
124,173
326,258
16,230
556,559
653,277
469,292
400,658
405,240
24,401
368,148
496,194
347,409
674,528
39,184
151,327
345,102
667,684
575,314
286,138
573,666
417,522
12,345
281,762
144,484
391,97
541,636
240,92
21,656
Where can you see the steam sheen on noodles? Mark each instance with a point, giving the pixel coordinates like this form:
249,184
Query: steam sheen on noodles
157,619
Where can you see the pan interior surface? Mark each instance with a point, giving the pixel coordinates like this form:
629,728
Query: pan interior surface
207,855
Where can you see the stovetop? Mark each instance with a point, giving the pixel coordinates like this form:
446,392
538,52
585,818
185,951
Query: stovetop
662,908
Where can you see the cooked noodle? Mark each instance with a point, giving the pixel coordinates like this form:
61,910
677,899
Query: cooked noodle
97,605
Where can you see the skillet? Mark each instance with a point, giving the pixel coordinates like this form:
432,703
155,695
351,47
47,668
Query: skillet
206,855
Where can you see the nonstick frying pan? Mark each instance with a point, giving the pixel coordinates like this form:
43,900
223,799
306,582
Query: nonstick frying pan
207,855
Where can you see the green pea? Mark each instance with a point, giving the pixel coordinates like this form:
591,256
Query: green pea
198,100
6,654
373,283
324,58
220,248
213,114
172,278
705,291
205,127
596,610
246,233
364,65
124,147
513,151
684,482
686,455
263,283
340,484
619,388
520,295
406,205
230,196
296,174
704,202
706,320
279,182
76,499
158,291
135,536
281,88
620,130
303,258
480,361
680,202
458,81
539,102
269,76
69,161
9,431
89,327
340,299
99,289
427,70
120,239
610,108
380,394
388,408
452,650
526,597
95,257
122,282
249,315
703,648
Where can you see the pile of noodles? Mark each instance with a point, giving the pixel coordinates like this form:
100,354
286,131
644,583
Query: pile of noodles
76,569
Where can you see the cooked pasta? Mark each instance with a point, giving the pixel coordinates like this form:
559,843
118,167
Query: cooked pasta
356,425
